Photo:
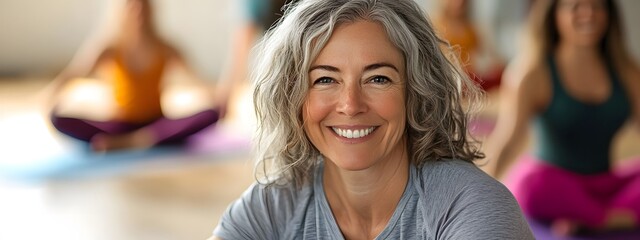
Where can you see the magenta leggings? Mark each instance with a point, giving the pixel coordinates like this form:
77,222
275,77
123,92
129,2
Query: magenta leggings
547,192
164,129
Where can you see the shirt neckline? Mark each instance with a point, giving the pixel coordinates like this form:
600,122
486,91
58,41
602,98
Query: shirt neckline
325,210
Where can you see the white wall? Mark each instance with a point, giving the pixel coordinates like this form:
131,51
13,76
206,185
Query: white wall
38,37
36,34
630,9
202,29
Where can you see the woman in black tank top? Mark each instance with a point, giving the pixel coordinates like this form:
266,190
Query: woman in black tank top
575,82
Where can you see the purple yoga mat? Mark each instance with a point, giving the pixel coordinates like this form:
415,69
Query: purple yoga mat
542,231
216,139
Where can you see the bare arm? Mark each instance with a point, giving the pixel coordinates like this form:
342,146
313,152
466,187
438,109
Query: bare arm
83,63
235,72
521,96
184,91
633,79
178,62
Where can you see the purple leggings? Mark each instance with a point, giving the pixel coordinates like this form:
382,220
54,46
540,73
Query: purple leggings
164,129
547,192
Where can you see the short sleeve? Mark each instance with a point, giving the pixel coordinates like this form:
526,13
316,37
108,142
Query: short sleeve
486,212
262,212
248,217
483,208
460,201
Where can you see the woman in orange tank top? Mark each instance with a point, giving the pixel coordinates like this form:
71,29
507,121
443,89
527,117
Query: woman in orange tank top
133,60
453,23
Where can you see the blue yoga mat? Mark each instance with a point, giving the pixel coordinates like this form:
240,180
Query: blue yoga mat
78,160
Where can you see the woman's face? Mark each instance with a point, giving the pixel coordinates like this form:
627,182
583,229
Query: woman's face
354,112
582,22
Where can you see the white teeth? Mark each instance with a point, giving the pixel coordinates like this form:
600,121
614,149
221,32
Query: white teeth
349,133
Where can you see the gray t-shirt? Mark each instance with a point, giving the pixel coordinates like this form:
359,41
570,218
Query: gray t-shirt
449,199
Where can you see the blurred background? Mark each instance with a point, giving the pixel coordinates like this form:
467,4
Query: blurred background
50,189
40,37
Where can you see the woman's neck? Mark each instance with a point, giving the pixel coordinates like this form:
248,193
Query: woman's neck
578,54
135,40
364,201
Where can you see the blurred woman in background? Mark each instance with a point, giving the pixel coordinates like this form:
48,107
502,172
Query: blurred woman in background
453,21
132,58
578,84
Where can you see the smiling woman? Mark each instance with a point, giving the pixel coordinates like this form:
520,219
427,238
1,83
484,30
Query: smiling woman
362,92
362,134
577,87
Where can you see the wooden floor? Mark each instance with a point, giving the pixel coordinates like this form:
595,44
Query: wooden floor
177,201
157,201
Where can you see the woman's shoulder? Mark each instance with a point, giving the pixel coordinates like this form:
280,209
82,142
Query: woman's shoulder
284,194
263,210
463,202
526,73
528,82
278,198
448,168
457,177
630,72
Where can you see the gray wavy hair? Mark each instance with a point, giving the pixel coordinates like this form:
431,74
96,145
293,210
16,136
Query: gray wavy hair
436,120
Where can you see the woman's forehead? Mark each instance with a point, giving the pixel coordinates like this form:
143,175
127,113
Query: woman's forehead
360,40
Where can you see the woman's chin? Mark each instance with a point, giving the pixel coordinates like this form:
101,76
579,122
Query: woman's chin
353,163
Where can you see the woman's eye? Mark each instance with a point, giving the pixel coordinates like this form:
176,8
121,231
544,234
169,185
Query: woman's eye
379,80
324,80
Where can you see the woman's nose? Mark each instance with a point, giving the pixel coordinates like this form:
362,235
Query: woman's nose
351,100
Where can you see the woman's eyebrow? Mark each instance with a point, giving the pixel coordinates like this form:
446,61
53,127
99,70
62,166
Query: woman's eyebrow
380,65
325,67
370,67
